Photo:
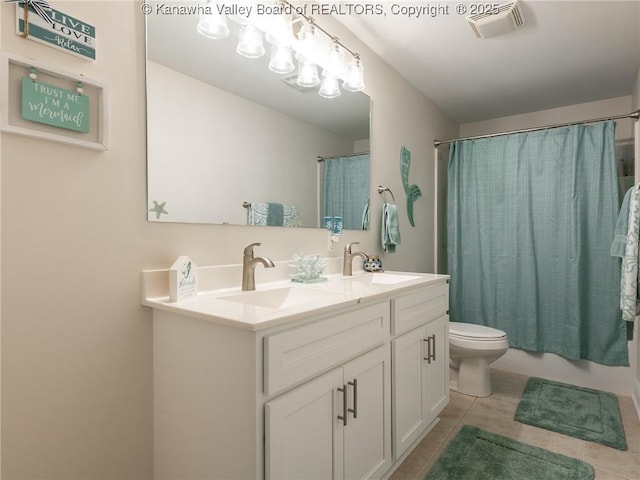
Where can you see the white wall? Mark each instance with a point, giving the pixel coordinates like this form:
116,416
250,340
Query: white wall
589,374
572,113
282,149
76,343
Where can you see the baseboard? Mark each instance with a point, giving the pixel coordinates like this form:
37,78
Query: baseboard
584,373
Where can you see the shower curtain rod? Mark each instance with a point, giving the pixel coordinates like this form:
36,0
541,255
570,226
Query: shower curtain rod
635,115
322,159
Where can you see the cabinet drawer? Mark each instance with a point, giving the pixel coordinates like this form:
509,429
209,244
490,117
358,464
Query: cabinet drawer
420,307
301,353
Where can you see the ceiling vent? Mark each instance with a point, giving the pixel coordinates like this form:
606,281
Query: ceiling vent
503,19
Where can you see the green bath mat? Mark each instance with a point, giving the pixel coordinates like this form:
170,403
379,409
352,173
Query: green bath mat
584,413
475,454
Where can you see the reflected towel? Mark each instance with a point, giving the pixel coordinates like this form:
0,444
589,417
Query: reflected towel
626,245
365,217
272,214
275,215
390,228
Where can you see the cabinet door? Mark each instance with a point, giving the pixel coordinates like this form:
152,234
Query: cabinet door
437,368
408,389
367,443
303,436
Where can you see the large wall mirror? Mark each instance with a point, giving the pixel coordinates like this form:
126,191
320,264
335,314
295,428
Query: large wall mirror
224,132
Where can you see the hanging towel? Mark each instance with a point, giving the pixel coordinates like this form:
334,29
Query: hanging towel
365,216
626,245
624,184
272,214
390,228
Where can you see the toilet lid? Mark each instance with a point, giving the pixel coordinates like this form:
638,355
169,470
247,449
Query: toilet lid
478,332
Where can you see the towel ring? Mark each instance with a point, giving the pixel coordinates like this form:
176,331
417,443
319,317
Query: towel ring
383,191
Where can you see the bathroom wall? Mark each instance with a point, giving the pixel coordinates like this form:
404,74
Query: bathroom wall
286,146
571,113
76,343
589,374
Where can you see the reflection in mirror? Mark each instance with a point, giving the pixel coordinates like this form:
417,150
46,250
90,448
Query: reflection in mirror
224,132
345,189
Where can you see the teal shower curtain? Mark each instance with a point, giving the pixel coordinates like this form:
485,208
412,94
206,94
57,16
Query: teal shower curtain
531,218
346,189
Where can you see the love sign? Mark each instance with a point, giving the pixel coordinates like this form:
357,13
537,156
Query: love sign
65,32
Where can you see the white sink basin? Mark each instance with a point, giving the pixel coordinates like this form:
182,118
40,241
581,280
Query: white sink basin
281,297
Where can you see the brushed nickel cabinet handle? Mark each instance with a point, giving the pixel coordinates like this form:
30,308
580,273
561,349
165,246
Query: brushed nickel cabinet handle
428,341
343,417
433,352
354,410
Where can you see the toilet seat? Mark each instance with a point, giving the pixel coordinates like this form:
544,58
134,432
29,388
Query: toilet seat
470,331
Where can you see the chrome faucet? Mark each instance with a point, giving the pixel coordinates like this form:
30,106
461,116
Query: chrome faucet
347,259
249,264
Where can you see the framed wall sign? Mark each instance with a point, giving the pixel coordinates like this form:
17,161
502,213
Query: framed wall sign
66,33
47,103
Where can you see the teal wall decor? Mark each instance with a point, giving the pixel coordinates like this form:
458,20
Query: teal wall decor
68,108
45,103
54,28
412,191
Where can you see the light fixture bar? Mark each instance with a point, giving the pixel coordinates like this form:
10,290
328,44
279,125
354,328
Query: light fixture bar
310,19
311,51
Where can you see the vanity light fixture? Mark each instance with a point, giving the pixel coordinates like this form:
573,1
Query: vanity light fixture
289,30
355,76
212,24
281,59
329,87
307,73
250,44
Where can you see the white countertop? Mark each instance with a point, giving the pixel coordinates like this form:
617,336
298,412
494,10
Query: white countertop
279,302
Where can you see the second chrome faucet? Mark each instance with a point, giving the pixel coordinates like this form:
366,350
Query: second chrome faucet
249,263
347,259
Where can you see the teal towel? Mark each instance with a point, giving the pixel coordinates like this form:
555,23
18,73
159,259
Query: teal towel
624,184
273,214
275,217
365,217
622,227
390,228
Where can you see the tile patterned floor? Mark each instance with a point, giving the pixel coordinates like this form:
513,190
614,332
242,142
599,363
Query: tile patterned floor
495,414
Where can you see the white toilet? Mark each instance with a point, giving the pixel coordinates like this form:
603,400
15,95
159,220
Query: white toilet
472,348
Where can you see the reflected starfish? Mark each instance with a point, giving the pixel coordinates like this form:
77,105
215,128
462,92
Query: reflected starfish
158,208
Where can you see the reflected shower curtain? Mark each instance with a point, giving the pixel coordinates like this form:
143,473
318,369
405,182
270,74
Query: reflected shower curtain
531,218
346,189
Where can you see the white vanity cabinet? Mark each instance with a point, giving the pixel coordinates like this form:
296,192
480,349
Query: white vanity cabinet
335,426
420,364
336,391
